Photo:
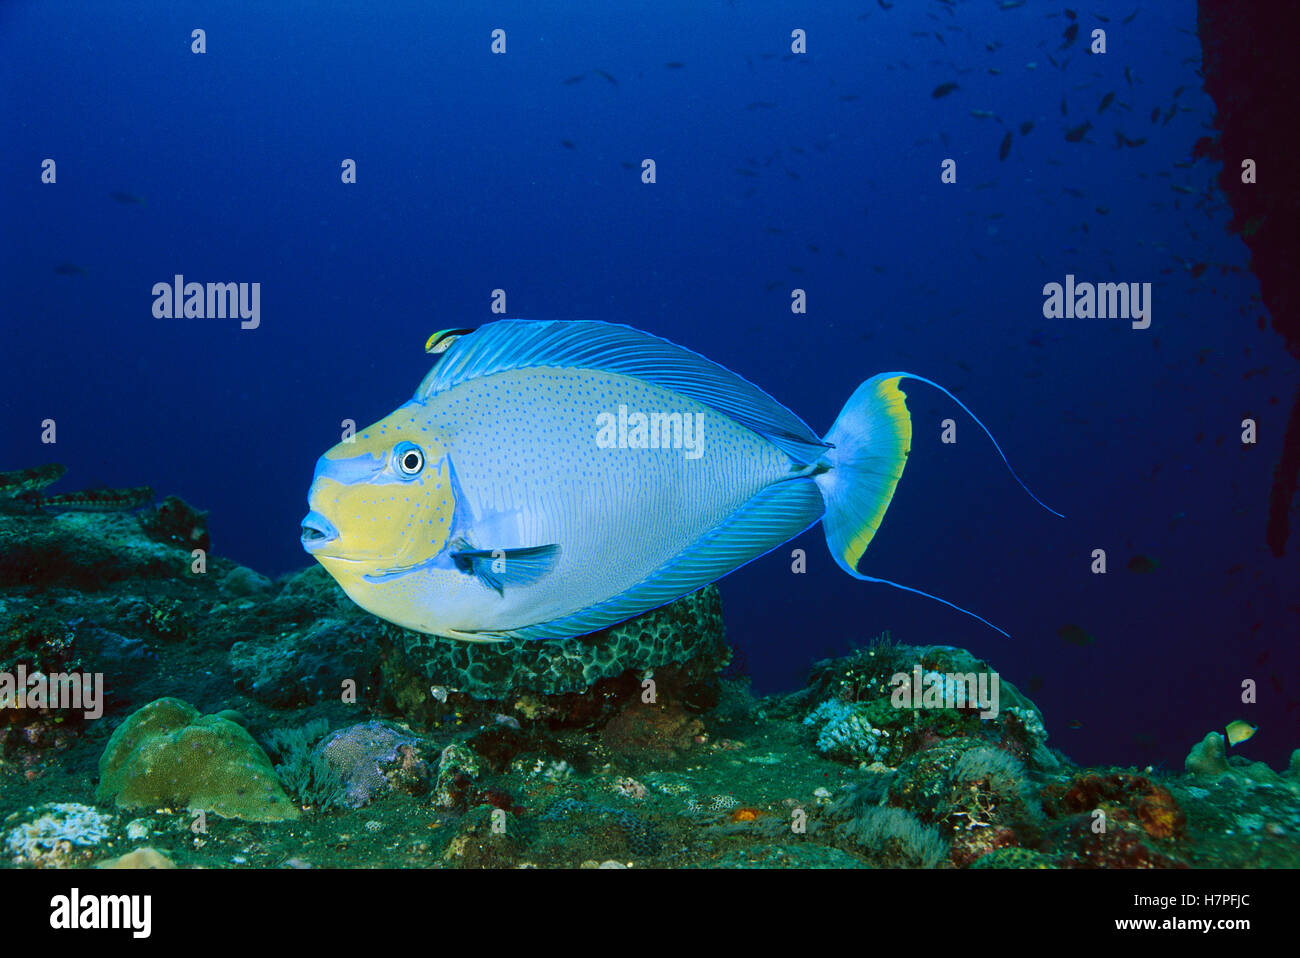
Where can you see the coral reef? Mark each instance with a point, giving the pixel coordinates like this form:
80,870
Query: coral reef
894,838
83,550
458,768
629,748
56,835
305,665
844,732
139,858
687,633
486,837
616,830
850,703
371,758
177,523
992,805
1208,758
659,731
242,582
307,775
166,754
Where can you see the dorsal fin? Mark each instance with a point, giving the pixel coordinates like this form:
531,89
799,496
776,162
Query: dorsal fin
522,344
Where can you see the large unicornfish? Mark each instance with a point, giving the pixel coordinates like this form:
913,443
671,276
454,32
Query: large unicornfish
549,479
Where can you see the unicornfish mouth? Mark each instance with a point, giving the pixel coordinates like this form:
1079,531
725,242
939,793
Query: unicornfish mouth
317,531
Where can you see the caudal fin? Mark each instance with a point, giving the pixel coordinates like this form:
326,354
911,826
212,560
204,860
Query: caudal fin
871,440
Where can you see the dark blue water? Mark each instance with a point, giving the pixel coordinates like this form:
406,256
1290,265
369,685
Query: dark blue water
775,171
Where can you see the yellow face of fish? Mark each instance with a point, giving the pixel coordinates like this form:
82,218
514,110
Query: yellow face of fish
381,503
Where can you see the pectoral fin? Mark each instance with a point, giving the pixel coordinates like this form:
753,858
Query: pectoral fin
500,569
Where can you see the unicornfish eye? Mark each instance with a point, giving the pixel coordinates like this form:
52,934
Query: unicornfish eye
409,459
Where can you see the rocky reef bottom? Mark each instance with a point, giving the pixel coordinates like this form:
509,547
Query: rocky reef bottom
161,711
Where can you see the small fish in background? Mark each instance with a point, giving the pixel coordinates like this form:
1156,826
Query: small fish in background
1005,149
1240,731
1077,133
674,65
1075,635
69,269
568,144
99,500
1026,127
1142,565
612,81
943,89
1074,723
1106,101
1071,34
983,114
127,199
570,81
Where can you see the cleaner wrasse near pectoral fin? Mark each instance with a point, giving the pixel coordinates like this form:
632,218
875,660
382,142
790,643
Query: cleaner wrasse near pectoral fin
551,479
